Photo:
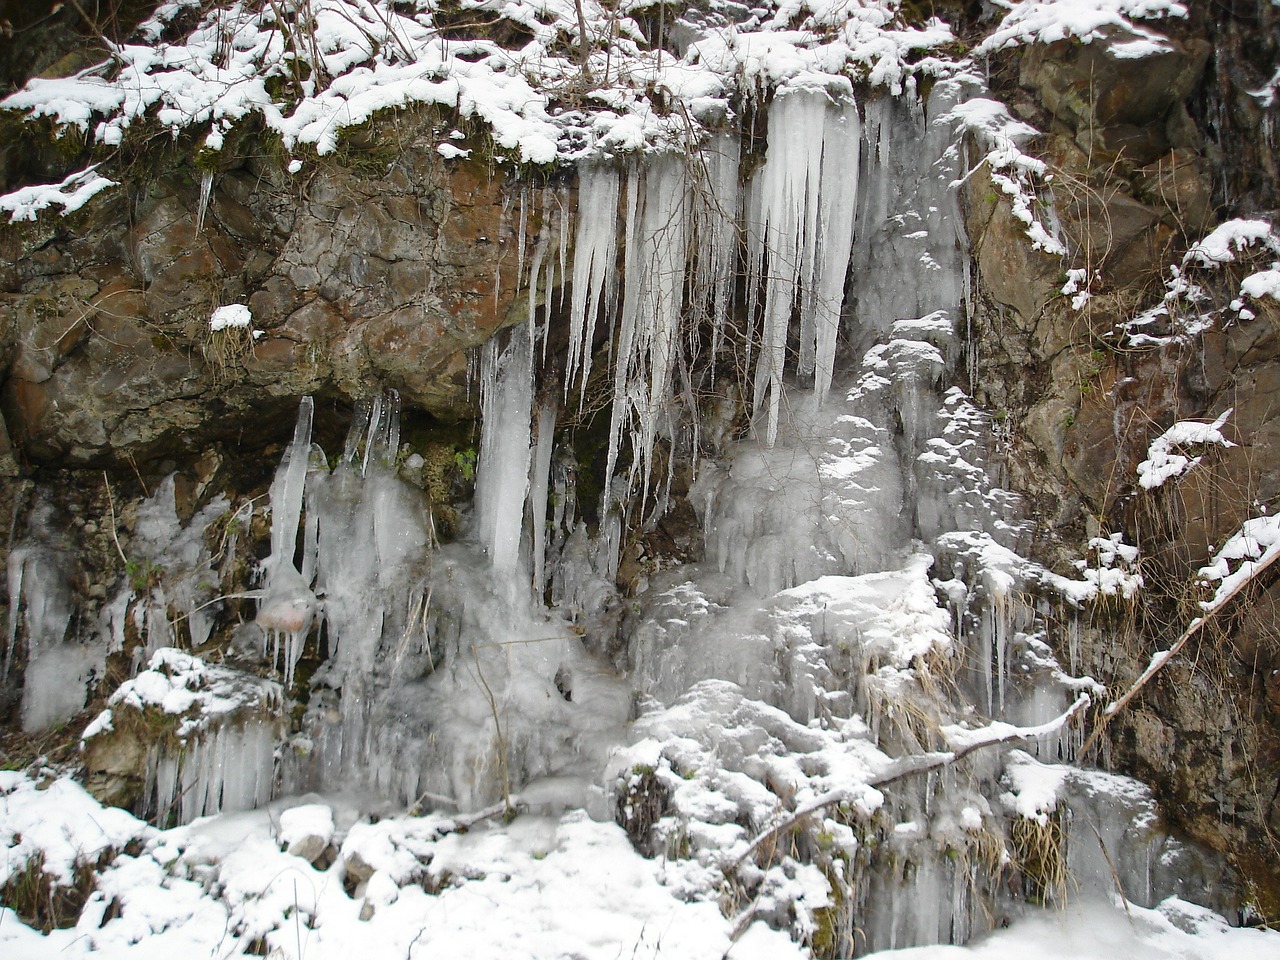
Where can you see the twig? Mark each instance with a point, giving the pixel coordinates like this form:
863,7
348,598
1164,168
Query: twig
111,509
1115,876
503,773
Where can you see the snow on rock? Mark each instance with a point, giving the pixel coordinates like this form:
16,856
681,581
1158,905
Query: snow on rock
538,888
305,830
69,195
58,825
233,315
363,57
1047,21
1228,241
1264,283
1035,788
1115,572
1168,456
1015,172
194,692
1248,551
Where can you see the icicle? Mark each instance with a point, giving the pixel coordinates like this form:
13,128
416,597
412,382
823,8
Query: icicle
375,424
562,240
522,235
594,265
497,265
17,561
538,494
838,196
654,275
715,224
535,274
288,606
287,488
803,207
502,473
206,190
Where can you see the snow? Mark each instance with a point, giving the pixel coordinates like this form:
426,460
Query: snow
1228,240
866,611
1092,929
535,888
1165,457
58,822
184,686
1034,787
1264,283
234,315
362,58
304,821
72,193
1048,21
1248,551
1012,170
1188,308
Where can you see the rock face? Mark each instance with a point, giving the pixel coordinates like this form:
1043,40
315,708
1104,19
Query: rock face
376,269
382,265
1136,180
1118,94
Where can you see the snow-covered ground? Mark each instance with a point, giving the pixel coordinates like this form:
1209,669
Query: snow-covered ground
536,887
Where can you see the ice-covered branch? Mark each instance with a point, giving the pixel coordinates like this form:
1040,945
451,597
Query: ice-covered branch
963,743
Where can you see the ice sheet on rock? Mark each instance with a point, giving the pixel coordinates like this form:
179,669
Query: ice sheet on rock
62,666
479,712
826,499
172,581
907,258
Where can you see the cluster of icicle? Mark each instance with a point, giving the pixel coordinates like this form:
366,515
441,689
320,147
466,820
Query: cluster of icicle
681,223
364,543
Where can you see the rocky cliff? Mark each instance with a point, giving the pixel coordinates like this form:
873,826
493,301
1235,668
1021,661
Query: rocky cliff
383,261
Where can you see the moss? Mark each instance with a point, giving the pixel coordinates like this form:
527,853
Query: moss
828,939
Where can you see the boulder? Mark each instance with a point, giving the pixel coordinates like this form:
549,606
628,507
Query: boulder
1116,92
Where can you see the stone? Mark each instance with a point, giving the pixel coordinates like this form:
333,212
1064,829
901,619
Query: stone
358,871
1010,270
1179,183
1099,92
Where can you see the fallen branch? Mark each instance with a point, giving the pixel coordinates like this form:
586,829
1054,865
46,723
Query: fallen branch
966,741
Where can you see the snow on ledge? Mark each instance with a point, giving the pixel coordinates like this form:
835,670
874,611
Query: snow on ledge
182,685
232,315
71,194
1251,549
1164,461
1048,21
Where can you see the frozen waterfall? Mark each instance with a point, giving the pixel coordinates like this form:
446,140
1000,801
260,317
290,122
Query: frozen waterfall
792,646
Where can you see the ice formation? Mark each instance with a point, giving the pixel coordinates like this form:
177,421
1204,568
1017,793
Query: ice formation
843,724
